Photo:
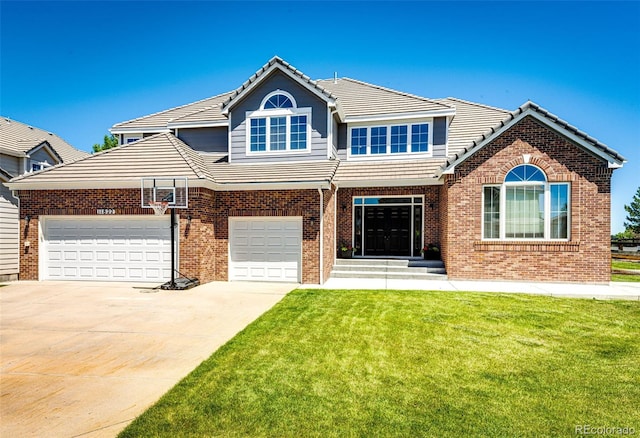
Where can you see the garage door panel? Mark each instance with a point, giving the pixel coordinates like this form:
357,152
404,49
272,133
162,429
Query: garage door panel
265,249
117,248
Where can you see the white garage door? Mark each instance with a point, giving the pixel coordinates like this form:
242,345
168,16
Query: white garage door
265,249
114,248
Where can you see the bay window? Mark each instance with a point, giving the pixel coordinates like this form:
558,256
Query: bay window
526,206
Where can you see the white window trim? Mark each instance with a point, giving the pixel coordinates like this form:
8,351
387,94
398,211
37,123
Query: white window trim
389,154
130,138
280,112
547,212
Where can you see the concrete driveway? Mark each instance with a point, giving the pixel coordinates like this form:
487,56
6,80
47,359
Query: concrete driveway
84,359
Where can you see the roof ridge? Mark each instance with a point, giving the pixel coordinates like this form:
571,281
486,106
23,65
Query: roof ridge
273,61
457,99
167,110
391,90
181,147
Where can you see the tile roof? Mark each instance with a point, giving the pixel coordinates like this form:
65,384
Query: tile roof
269,173
276,62
206,109
357,98
17,139
378,173
553,121
471,120
162,154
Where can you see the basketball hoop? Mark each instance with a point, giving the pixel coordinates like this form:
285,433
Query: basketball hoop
159,207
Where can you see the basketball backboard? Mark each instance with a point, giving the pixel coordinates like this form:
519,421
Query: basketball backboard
173,190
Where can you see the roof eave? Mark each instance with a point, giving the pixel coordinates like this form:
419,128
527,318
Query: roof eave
428,181
401,116
287,185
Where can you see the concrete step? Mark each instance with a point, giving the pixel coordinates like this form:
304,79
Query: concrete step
408,269
396,269
388,275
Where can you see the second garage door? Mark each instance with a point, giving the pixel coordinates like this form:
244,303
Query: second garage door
110,248
265,248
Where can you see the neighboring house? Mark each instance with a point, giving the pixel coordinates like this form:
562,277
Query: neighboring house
284,169
23,150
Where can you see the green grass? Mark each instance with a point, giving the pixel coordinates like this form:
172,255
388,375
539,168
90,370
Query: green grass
620,264
326,363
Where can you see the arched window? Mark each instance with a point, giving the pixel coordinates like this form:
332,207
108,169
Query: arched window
279,126
526,206
278,101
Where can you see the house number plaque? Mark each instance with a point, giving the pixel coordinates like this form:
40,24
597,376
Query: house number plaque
106,211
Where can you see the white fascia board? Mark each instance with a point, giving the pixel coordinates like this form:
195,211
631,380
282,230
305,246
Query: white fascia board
148,130
273,186
13,153
216,124
400,116
389,182
264,74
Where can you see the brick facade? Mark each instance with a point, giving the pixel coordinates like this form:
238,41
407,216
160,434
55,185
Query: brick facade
584,258
432,205
203,242
452,216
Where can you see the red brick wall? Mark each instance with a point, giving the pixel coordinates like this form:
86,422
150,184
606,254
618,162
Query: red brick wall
432,205
203,242
303,203
585,258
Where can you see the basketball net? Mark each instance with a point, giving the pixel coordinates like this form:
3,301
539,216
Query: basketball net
159,207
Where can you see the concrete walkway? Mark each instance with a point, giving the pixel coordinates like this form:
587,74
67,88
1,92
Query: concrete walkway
84,359
614,290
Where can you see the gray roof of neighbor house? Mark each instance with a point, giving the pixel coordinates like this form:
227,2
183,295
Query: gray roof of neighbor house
159,155
18,139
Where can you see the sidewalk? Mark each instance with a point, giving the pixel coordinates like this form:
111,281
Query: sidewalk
612,291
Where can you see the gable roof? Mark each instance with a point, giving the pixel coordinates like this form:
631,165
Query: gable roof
276,63
552,121
357,99
18,139
161,154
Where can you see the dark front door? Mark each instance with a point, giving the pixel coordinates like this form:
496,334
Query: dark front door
387,231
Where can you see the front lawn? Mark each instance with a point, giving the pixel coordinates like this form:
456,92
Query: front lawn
399,363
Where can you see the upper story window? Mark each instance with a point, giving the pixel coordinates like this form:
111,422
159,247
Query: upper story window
390,140
279,126
39,165
526,206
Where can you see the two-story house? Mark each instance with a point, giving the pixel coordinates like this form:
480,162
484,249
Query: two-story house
284,169
24,149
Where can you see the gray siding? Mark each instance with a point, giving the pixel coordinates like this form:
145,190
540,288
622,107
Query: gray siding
342,136
9,234
205,139
440,137
11,164
304,99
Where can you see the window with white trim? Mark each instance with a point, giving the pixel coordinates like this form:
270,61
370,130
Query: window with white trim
409,138
279,126
526,206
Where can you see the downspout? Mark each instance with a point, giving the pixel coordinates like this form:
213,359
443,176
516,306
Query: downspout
321,235
335,225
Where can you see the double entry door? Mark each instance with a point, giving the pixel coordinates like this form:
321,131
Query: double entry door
388,226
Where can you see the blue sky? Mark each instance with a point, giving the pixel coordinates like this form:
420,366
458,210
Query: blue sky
78,67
